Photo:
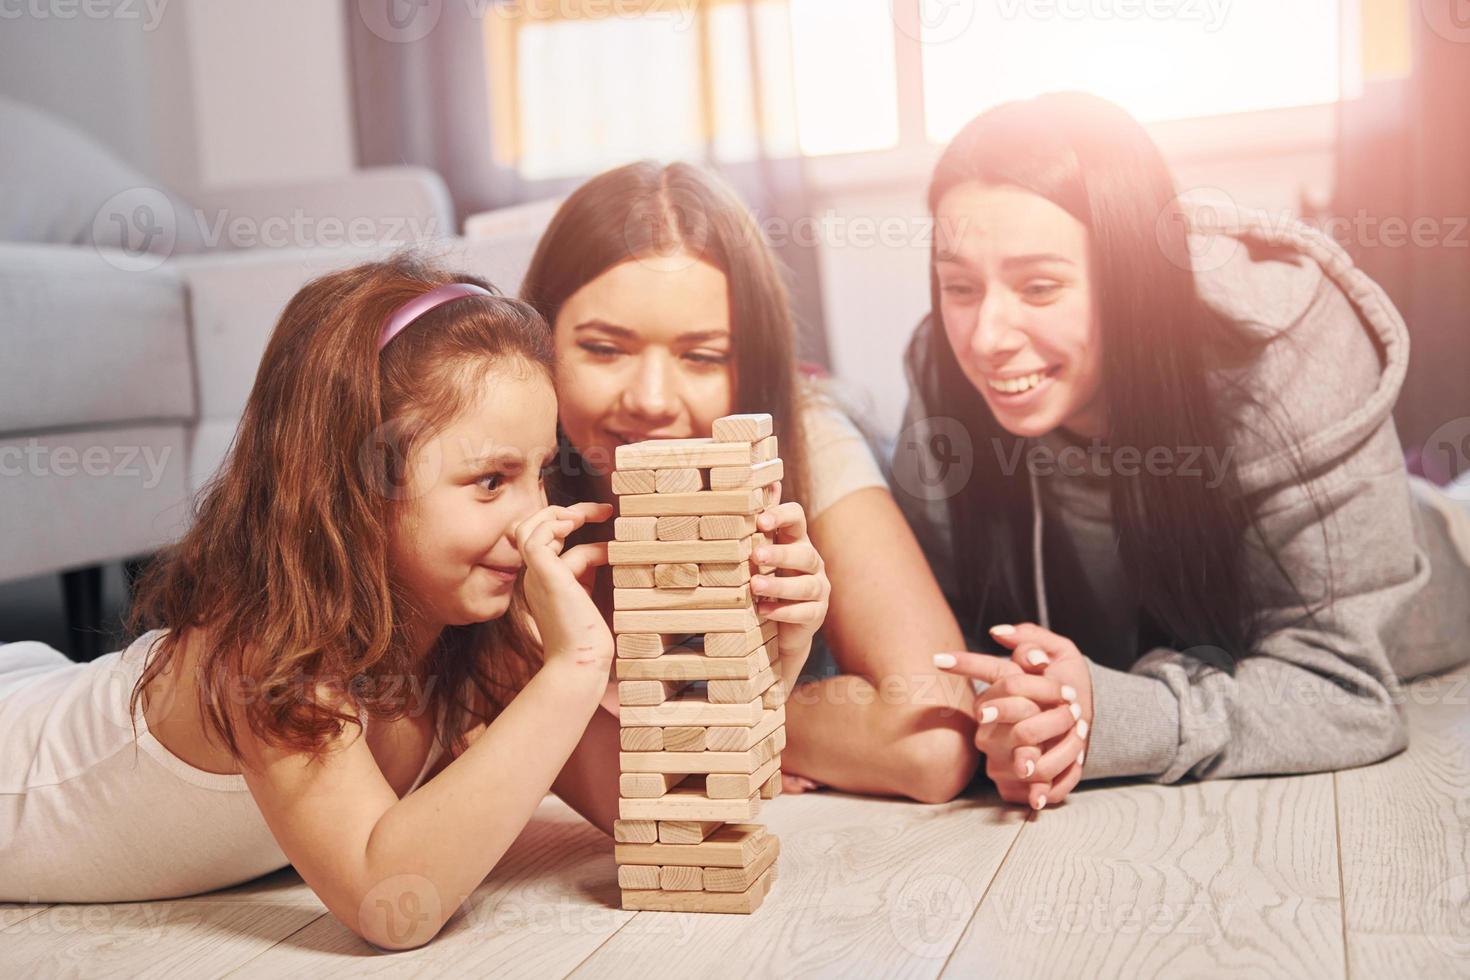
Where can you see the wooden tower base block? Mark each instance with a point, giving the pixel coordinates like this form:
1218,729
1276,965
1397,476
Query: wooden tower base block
701,703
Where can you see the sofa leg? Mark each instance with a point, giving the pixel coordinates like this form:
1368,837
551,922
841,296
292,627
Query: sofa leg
82,590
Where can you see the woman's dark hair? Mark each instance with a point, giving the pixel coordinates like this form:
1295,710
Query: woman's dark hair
1182,540
645,209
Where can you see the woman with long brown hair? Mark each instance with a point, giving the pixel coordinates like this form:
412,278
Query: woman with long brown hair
667,311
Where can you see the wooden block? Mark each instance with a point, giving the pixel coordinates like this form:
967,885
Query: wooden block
723,879
733,644
680,879
739,691
742,428
643,693
699,504
678,528
764,451
736,598
633,481
635,831
636,576
724,573
773,696
638,876
641,739
772,788
691,763
676,575
737,739
738,785
724,527
673,454
744,477
686,480
690,831
689,803
635,529
722,845
693,667
685,620
647,785
683,738
642,645
743,903
668,552
690,713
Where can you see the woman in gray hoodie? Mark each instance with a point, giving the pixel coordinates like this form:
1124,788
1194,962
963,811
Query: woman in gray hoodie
1151,456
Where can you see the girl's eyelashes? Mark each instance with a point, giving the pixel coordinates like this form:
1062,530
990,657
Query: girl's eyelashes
491,483
1041,289
708,357
599,348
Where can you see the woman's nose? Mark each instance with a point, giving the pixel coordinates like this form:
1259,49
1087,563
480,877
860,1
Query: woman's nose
995,336
651,393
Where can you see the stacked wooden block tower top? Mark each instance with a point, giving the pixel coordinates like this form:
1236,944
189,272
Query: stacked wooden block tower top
702,705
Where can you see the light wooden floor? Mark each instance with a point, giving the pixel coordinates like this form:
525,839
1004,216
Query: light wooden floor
1362,873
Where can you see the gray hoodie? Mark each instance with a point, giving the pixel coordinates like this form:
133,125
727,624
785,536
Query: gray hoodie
1315,695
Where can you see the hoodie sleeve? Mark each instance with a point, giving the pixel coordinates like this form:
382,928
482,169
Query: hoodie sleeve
1317,694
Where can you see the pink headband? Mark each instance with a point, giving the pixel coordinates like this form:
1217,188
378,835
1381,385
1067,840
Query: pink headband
419,305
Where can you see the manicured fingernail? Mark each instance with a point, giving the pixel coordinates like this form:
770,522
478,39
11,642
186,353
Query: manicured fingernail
1076,710
988,714
1041,803
1002,630
1082,729
1036,658
944,660
1069,693
1081,757
1030,768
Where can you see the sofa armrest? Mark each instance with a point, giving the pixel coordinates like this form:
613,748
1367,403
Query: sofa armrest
379,206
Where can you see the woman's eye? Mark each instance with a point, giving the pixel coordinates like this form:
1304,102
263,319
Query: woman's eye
491,482
708,357
597,349
957,290
1042,289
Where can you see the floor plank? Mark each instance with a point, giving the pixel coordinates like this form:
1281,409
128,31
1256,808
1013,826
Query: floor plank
547,906
1405,826
1143,880
203,936
866,887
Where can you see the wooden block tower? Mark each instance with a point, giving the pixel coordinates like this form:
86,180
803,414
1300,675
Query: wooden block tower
702,704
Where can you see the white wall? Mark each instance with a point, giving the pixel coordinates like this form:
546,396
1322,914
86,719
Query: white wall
200,93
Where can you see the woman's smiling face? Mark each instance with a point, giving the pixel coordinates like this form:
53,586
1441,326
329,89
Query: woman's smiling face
643,351
1018,308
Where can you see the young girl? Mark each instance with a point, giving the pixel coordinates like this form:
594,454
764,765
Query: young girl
346,606
1185,470
667,312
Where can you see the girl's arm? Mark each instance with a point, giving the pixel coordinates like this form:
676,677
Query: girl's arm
892,723
394,870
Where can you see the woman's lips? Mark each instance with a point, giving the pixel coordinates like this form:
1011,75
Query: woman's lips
503,572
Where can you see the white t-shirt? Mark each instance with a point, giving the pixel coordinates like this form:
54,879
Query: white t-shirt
839,460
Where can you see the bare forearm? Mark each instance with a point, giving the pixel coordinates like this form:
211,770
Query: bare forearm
887,739
452,831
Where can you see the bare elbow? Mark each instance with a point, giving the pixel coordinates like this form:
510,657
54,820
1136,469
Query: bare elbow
400,913
940,764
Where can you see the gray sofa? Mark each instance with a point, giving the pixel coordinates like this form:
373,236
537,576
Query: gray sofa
125,364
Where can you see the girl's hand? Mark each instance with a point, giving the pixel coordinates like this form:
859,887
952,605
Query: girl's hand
796,596
1015,710
1040,652
792,783
572,630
